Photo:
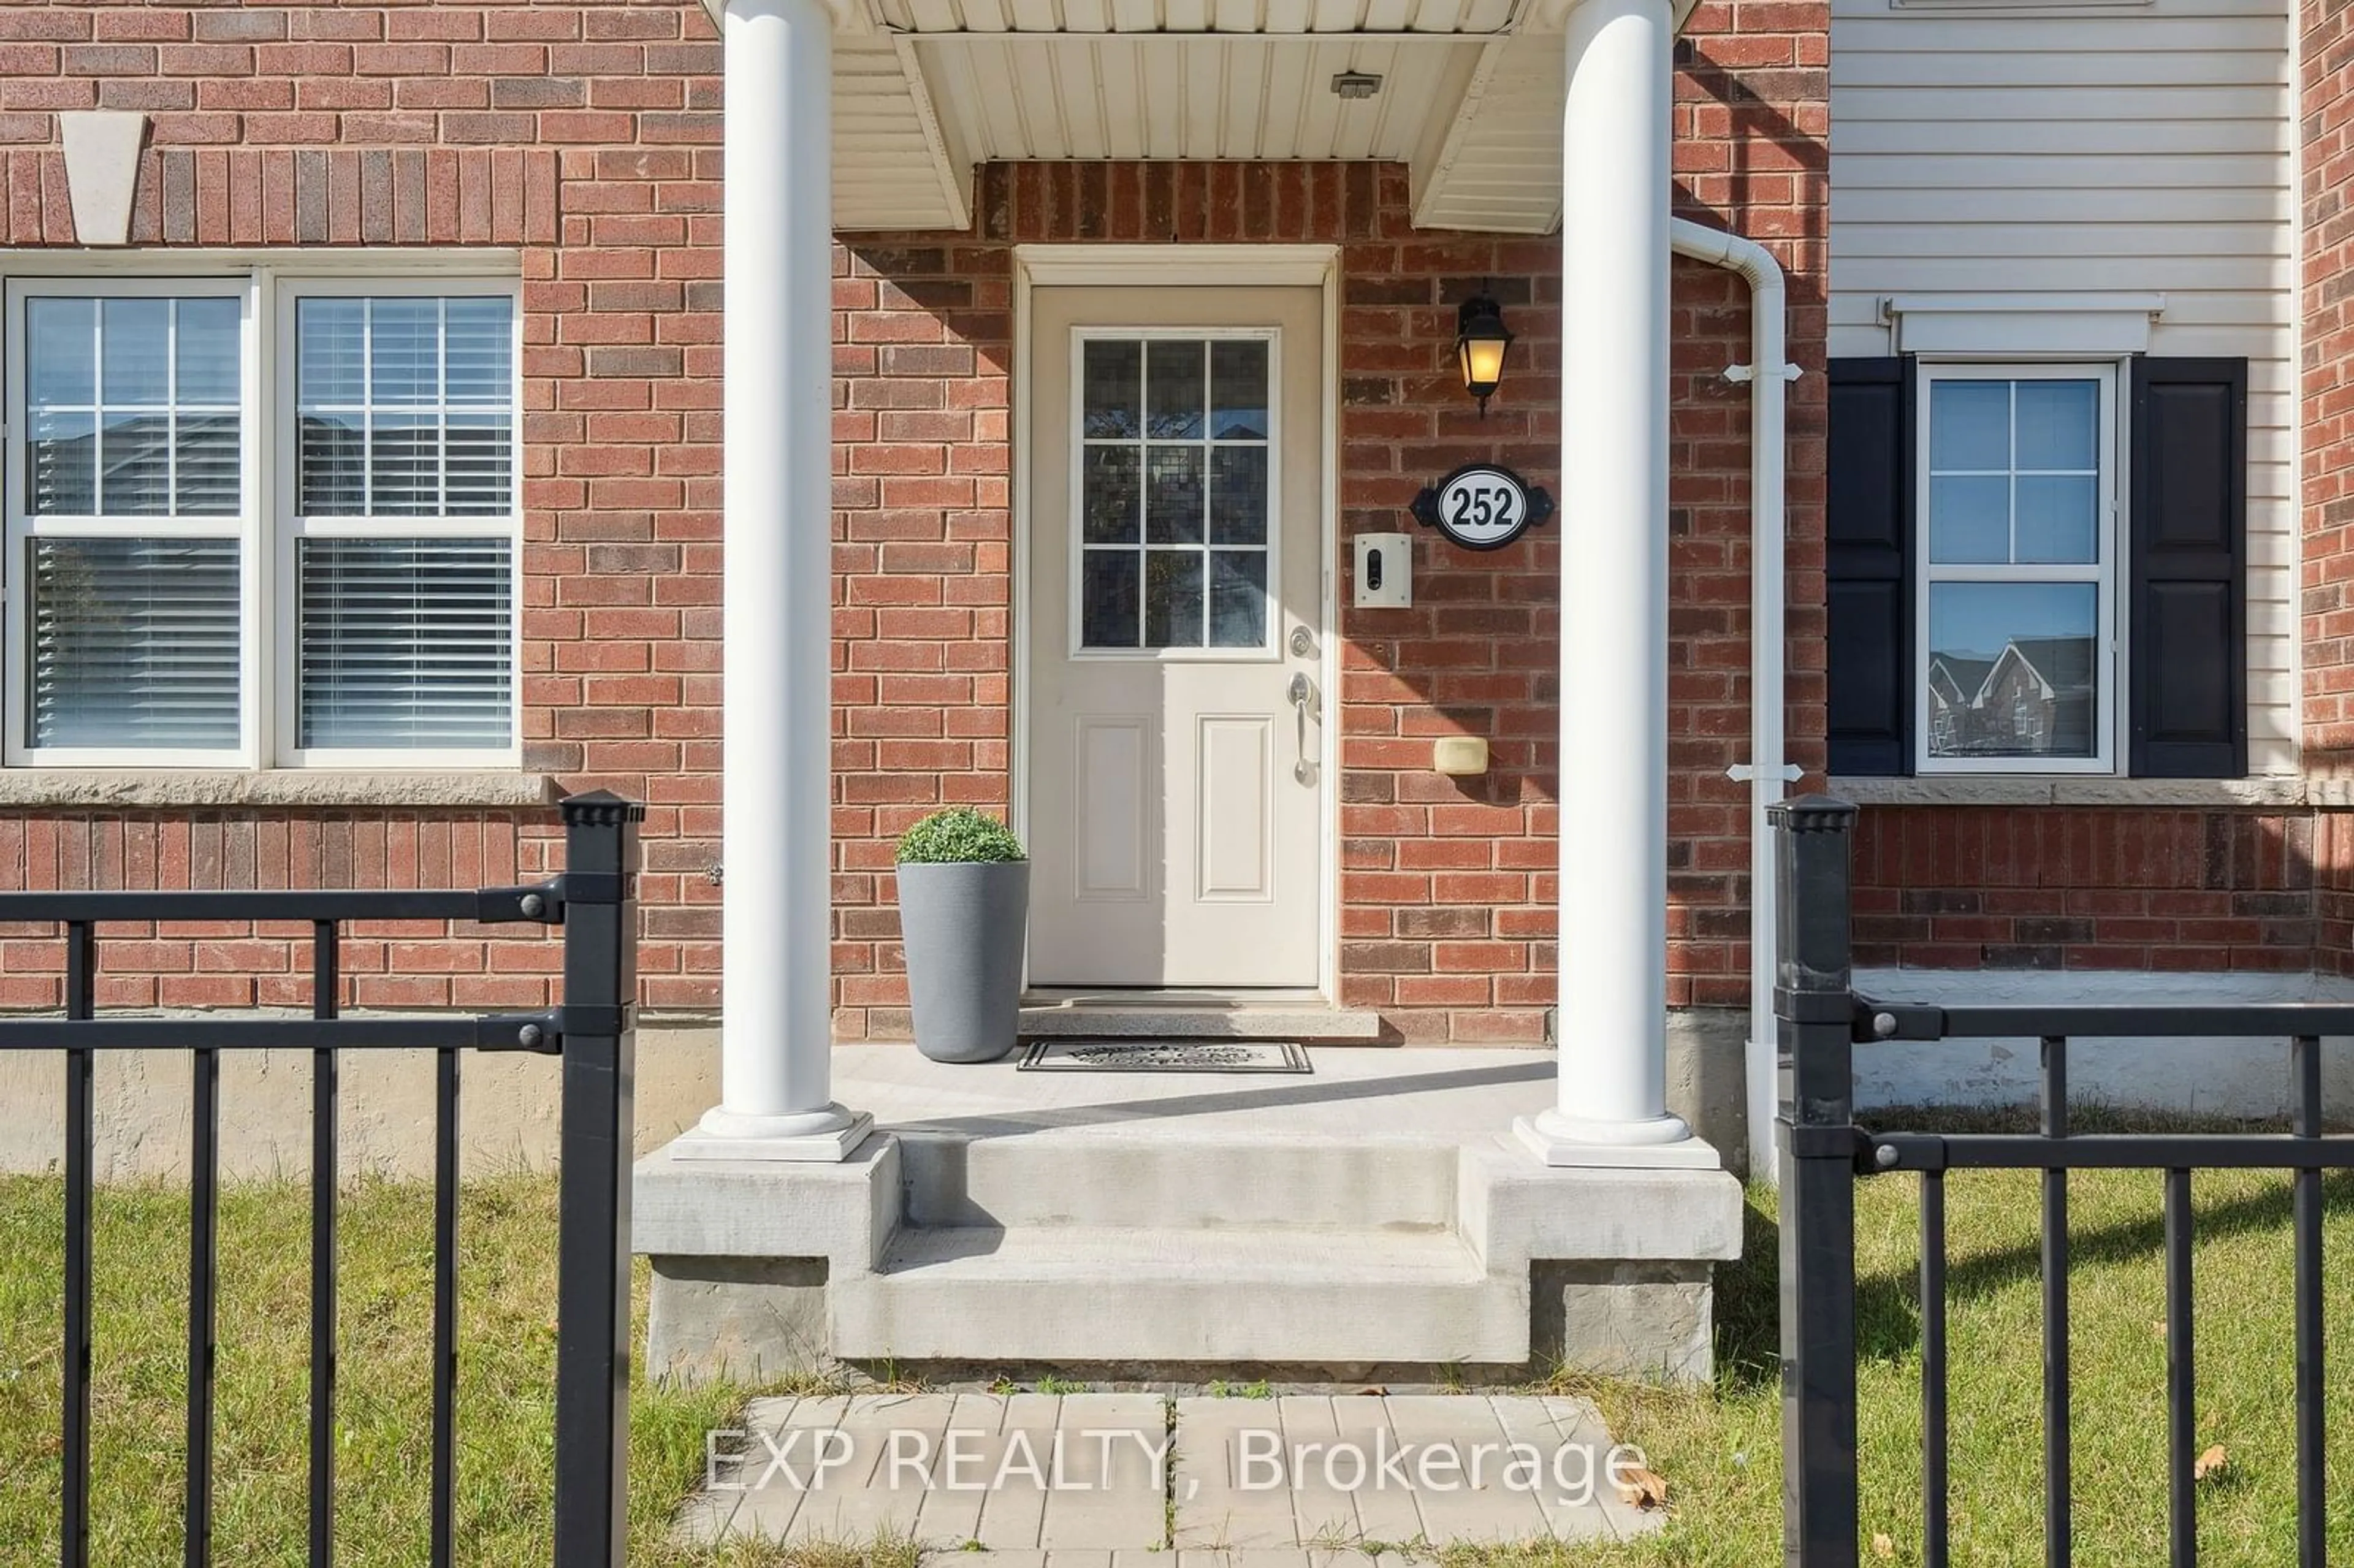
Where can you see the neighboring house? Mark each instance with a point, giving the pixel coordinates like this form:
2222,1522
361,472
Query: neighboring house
365,457
2034,700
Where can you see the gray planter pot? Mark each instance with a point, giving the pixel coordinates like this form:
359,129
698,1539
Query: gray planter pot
962,924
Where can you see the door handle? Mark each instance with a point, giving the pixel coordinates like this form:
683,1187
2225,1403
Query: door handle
1302,697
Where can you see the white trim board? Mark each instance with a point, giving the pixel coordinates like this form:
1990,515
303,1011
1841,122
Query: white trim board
1175,266
1185,266
1996,325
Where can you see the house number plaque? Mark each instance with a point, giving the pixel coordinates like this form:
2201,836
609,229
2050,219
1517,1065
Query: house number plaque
1482,506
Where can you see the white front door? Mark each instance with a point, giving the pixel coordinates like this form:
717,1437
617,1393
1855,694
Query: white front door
1176,720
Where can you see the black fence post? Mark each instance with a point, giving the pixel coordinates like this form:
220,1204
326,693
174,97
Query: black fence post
593,1311
1814,1013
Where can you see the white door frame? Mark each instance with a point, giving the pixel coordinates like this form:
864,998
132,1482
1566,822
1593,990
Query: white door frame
1172,266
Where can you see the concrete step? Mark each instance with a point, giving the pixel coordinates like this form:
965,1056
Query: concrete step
1159,1179
1071,1294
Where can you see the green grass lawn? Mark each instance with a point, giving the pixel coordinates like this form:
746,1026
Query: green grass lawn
1721,1449
1718,1447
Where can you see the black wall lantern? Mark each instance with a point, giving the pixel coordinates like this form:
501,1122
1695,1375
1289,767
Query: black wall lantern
1480,341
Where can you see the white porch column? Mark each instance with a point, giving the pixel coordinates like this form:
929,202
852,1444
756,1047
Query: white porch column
776,1044
1611,1105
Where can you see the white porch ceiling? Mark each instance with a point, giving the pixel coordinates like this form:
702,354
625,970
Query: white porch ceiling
1206,96
1279,16
1469,102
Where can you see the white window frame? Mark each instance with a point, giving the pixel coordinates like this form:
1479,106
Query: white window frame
21,528
1271,648
266,525
288,528
2110,660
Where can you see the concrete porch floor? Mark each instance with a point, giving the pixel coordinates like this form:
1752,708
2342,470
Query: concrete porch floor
1374,1216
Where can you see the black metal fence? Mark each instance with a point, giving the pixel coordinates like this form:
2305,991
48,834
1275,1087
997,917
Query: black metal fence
1824,1153
592,1032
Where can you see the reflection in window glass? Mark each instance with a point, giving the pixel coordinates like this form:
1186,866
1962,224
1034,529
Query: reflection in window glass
1110,493
406,407
2016,666
1109,592
133,406
1112,389
1172,495
1238,599
1173,599
1238,389
1172,517
1173,389
2011,669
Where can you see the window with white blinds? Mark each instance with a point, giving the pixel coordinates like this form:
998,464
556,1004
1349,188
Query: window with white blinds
131,526
404,502
259,521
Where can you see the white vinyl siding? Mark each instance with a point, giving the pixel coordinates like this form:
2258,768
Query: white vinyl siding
2104,152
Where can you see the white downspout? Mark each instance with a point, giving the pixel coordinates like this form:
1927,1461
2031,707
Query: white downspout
1766,770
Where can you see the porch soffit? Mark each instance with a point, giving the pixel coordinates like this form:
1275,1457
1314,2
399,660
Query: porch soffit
925,91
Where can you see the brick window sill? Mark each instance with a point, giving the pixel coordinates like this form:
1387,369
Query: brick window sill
67,789
2285,791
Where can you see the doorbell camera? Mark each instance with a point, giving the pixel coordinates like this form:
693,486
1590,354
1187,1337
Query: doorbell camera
1385,571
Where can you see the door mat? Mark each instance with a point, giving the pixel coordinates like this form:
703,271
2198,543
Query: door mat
1166,1056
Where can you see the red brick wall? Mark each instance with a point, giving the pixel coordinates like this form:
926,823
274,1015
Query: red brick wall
1999,887
586,136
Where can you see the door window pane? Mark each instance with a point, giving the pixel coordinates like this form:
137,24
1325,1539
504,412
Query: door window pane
1238,389
1172,495
1238,599
1173,599
1237,495
1113,389
1109,594
2011,670
1173,389
135,642
1174,435
1109,506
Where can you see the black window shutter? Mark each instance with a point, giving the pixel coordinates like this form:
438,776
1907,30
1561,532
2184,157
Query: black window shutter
1868,568
2187,557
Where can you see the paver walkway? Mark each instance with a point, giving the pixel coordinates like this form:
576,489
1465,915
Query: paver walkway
1289,1482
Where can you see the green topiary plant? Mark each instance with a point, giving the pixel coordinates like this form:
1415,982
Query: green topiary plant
959,835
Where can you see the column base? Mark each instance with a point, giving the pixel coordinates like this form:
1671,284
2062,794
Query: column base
1659,1143
827,1136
